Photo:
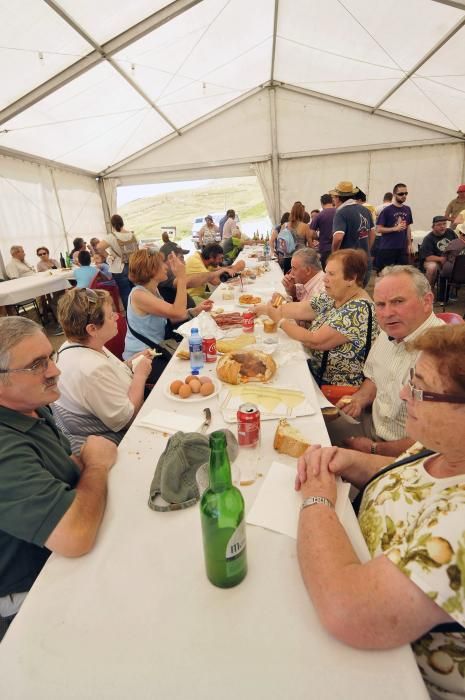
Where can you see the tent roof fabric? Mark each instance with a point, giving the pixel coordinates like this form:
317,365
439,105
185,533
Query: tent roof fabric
93,88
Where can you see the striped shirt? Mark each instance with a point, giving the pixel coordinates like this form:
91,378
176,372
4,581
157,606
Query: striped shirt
388,366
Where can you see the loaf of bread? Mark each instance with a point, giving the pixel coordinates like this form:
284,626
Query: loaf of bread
245,366
288,440
231,344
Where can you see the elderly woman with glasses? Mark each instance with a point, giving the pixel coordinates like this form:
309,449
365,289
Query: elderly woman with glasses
45,261
412,517
100,395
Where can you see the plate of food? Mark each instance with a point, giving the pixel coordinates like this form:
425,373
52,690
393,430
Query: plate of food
191,389
248,300
242,366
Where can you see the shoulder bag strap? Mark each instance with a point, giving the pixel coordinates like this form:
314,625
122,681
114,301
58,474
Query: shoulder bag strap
407,460
151,344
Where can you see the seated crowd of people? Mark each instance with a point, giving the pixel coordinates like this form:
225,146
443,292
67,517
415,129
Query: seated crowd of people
62,415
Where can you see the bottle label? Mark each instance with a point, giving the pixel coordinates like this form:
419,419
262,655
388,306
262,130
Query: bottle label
236,543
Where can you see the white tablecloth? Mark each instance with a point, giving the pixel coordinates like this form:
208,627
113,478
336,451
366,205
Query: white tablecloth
137,617
18,290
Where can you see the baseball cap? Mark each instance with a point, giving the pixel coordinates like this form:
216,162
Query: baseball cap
438,219
460,188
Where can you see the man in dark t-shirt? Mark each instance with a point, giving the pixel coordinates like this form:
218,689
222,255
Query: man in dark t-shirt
394,224
322,225
353,224
433,247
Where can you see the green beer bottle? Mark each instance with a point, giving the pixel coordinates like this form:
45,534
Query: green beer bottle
222,517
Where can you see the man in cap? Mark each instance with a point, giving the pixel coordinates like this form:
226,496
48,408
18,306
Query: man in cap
432,249
353,225
394,226
50,499
456,207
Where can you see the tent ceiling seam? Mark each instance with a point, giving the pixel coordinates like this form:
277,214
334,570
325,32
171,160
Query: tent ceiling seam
410,73
94,58
99,49
366,108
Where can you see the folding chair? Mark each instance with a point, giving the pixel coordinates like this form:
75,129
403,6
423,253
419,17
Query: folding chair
457,278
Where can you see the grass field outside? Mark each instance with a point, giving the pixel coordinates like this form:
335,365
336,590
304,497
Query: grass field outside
147,215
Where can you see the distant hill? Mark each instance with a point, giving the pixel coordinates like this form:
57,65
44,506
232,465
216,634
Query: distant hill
146,216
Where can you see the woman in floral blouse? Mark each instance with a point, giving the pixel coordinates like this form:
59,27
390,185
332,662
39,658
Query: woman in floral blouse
412,517
343,320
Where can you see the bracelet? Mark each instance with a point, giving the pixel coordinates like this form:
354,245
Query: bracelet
373,448
315,501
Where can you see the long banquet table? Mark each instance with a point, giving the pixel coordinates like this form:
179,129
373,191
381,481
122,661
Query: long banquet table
137,617
17,290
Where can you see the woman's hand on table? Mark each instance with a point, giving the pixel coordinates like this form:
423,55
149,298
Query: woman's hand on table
314,476
316,459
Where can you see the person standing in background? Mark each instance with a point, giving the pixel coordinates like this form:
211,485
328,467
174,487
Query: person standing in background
394,224
321,227
455,207
118,246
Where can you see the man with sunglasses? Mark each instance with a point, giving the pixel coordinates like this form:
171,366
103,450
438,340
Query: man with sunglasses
50,499
394,224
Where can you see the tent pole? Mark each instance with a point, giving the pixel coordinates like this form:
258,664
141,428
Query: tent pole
274,156
68,247
105,207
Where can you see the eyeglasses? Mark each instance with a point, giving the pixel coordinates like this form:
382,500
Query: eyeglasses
40,366
42,254
92,298
420,395
401,194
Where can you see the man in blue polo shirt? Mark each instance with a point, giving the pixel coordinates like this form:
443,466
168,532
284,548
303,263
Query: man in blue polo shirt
50,499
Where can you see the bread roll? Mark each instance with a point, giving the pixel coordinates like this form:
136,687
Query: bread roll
237,343
247,366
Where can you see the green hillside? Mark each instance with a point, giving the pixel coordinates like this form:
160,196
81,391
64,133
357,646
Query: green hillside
146,216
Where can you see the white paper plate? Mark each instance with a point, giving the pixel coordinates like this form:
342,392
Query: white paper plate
193,398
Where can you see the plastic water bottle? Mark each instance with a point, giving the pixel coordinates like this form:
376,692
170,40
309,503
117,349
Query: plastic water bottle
266,255
195,351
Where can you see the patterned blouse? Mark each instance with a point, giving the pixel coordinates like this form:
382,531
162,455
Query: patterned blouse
345,362
418,522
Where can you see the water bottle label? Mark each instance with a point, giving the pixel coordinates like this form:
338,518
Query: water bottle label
236,542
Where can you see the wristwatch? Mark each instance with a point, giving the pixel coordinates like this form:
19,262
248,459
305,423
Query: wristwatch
316,500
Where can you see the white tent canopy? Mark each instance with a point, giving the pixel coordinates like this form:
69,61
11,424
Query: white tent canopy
302,94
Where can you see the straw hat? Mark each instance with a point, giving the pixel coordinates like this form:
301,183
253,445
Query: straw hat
344,189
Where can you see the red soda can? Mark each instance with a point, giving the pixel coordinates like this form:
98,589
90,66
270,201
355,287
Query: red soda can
248,425
248,321
209,349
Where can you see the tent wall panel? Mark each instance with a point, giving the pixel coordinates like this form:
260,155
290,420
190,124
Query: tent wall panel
40,205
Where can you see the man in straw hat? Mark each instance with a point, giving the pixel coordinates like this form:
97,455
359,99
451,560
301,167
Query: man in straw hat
353,225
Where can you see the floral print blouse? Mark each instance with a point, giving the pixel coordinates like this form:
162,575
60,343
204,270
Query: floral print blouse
345,362
418,522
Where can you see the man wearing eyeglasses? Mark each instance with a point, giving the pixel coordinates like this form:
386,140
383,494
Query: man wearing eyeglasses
404,309
50,499
394,224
